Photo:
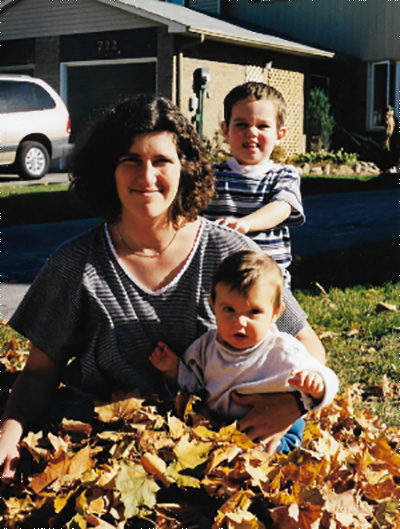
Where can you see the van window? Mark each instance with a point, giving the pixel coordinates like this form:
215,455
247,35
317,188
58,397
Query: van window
23,97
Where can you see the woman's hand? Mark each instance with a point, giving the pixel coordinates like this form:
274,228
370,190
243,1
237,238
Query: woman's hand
272,414
9,448
30,398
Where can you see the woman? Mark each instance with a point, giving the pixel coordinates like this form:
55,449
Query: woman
97,309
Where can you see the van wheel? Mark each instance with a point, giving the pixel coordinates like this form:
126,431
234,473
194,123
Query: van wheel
32,161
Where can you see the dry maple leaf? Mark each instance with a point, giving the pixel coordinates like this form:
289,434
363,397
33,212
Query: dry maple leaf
135,488
121,408
293,516
63,468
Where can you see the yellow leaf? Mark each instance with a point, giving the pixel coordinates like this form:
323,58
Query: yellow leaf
232,434
60,501
123,408
382,451
77,522
156,466
31,443
191,454
71,426
58,443
243,520
176,427
234,513
204,433
135,487
182,480
225,453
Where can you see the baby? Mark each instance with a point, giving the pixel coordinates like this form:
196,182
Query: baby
247,353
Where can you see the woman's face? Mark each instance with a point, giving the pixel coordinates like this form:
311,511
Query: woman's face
147,177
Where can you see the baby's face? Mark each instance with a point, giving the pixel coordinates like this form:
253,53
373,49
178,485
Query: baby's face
244,321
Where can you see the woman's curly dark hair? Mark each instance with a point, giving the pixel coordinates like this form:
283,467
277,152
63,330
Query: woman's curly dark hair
95,157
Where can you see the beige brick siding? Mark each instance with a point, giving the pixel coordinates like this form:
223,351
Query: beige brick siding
47,60
224,76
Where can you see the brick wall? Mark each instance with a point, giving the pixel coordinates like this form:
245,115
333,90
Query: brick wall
166,65
225,75
47,60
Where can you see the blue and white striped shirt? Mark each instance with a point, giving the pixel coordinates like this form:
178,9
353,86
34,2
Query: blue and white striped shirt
241,190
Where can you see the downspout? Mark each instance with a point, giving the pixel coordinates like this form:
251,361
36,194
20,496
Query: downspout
180,66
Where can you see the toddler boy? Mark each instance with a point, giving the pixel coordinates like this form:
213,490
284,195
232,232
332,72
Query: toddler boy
246,353
255,195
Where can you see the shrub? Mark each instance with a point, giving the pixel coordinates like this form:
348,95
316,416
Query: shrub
218,148
319,121
322,157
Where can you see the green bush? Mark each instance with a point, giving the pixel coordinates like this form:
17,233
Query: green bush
322,157
319,121
218,148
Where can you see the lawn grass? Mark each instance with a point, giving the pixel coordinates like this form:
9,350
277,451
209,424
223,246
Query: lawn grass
355,177
37,187
361,341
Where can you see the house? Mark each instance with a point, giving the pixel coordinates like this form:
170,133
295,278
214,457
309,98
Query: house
96,51
363,34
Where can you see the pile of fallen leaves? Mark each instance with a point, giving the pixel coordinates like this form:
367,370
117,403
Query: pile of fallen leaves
141,465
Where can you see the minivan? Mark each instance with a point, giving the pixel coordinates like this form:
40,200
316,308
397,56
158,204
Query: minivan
34,125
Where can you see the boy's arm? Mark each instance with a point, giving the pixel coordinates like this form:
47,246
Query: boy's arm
264,218
286,188
268,216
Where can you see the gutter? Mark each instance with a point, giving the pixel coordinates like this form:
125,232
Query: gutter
245,41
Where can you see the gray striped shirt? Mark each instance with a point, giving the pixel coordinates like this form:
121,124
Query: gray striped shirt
84,310
241,190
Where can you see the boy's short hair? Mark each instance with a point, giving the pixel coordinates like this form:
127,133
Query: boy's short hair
243,269
255,92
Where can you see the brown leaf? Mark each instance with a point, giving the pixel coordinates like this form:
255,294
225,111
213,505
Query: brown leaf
294,516
70,426
382,451
63,468
122,408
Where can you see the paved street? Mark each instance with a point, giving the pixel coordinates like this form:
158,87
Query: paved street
334,222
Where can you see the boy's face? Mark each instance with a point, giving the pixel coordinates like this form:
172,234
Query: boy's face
252,132
244,321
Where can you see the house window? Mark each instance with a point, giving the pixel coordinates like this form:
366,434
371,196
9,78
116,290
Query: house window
384,85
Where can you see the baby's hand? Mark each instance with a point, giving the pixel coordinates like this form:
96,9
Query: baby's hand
309,382
165,360
239,225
